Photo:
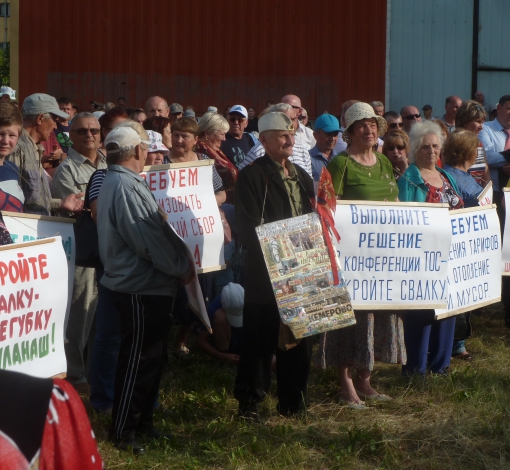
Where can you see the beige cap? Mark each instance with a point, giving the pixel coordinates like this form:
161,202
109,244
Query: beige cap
359,111
275,122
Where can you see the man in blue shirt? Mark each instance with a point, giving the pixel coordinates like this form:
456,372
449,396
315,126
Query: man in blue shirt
326,133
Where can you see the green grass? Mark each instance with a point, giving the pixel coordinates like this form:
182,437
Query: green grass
458,421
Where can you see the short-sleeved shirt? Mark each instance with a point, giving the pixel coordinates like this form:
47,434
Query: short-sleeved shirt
11,194
468,188
354,181
237,149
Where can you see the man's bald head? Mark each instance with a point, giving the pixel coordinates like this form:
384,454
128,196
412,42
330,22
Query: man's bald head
295,102
156,106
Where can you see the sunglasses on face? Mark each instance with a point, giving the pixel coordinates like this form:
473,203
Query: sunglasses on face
236,119
84,131
394,125
399,147
410,117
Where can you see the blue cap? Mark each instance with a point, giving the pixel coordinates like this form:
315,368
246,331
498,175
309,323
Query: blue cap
327,122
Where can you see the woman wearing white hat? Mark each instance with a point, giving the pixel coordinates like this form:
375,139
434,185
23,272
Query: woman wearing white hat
361,173
157,150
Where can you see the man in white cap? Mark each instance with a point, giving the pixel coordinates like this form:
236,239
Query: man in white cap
145,262
40,113
237,143
270,189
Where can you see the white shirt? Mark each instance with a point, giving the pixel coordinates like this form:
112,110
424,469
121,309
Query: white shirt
300,156
304,135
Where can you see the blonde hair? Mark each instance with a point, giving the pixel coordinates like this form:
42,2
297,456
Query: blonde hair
212,122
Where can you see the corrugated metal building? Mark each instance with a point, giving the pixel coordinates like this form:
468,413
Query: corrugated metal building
439,48
202,52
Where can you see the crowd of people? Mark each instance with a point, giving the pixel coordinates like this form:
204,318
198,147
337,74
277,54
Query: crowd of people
57,161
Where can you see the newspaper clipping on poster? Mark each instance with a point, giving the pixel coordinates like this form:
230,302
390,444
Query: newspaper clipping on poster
32,308
185,192
506,235
474,276
300,270
394,255
28,227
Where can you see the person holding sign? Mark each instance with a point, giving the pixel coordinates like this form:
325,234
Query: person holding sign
428,341
268,190
144,264
360,173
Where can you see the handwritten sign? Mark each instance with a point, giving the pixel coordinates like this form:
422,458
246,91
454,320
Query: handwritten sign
185,192
474,276
32,310
485,197
394,255
29,227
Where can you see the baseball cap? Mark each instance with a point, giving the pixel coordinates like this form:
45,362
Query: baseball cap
176,108
275,121
189,113
232,301
327,122
212,109
125,137
41,103
237,108
5,90
427,106
157,143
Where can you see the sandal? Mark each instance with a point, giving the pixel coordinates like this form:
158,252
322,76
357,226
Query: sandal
183,350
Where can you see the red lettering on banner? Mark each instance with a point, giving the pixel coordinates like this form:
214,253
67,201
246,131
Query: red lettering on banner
152,181
182,178
196,254
42,265
193,177
3,329
162,181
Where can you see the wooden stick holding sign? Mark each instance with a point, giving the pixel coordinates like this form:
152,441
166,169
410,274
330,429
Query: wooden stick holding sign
185,192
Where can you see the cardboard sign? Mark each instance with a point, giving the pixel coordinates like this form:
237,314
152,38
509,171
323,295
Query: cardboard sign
28,227
485,197
394,255
185,192
32,307
474,276
300,270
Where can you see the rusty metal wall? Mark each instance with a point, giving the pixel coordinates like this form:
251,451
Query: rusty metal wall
204,52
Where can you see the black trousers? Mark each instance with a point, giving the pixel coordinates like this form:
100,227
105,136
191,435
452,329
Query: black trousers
145,325
261,326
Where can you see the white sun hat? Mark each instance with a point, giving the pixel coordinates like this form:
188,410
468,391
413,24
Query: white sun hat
359,111
157,144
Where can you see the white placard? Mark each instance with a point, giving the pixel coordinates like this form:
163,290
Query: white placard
474,277
32,307
186,194
485,197
394,255
29,227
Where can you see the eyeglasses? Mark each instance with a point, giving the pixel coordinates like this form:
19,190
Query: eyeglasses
296,107
399,147
394,125
410,117
236,119
83,131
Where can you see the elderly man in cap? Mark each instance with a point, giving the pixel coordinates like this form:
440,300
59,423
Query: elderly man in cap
176,112
71,176
304,135
156,106
270,189
300,155
326,133
145,262
40,113
237,143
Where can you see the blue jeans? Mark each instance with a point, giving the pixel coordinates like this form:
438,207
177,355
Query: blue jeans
105,351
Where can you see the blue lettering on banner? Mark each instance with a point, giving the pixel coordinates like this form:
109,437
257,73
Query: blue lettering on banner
388,216
373,289
423,290
468,224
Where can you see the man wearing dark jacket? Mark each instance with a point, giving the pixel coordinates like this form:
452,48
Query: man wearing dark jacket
270,189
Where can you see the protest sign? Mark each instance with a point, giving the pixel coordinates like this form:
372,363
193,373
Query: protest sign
394,255
32,307
28,227
485,197
474,274
506,235
299,267
185,192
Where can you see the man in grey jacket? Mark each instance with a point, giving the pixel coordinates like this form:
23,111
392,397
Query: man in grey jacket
144,264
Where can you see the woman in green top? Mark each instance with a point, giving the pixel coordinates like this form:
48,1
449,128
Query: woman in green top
361,173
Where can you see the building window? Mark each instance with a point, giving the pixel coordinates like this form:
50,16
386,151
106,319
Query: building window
5,9
4,45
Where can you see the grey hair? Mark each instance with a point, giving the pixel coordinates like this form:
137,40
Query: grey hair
376,104
418,132
117,157
280,107
212,122
31,119
84,115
